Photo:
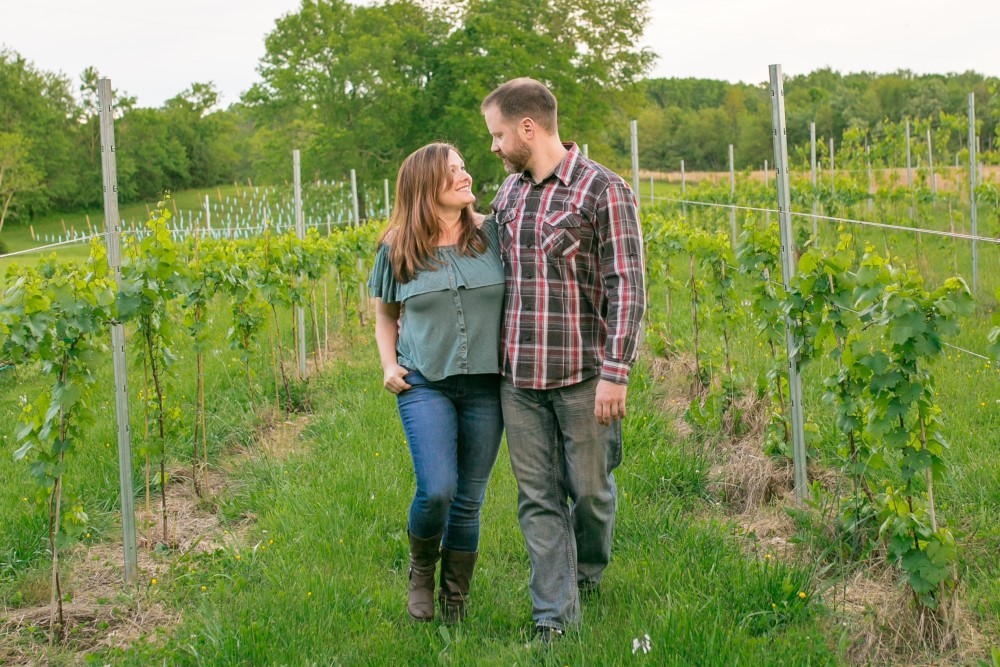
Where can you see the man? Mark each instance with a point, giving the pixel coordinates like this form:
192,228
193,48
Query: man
572,251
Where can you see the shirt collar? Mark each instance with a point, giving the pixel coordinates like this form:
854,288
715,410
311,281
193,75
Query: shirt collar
564,170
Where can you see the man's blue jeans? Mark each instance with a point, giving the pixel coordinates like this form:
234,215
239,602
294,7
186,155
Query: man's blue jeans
453,427
563,461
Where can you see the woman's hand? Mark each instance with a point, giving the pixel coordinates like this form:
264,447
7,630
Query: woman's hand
393,380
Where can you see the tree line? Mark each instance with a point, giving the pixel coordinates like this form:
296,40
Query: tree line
361,86
696,119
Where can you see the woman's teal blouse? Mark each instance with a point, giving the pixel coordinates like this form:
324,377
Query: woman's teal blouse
451,316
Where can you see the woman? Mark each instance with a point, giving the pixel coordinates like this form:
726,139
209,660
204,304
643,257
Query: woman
438,286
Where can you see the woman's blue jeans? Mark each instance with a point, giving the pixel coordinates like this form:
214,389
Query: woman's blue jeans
453,427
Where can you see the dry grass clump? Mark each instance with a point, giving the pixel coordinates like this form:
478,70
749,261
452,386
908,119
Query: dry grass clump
879,626
769,530
748,479
743,476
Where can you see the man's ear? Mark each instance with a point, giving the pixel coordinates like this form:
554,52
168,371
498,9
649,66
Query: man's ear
527,127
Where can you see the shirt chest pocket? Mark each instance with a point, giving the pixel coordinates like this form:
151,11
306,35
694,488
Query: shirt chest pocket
563,235
506,228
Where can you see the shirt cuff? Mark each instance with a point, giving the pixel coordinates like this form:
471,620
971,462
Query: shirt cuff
615,371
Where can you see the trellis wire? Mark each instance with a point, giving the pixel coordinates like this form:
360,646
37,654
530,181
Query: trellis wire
43,248
902,228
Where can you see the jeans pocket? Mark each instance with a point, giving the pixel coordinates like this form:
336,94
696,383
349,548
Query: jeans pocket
413,378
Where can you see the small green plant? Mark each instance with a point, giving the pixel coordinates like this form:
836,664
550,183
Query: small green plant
153,274
905,417
56,316
758,254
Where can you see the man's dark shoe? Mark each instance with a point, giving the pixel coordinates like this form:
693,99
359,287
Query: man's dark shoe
545,635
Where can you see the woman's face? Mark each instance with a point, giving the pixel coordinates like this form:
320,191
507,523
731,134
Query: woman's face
457,191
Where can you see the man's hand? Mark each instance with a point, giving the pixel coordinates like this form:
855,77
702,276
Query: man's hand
393,380
609,406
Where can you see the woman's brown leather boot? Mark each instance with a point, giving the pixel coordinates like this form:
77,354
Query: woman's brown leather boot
456,580
424,554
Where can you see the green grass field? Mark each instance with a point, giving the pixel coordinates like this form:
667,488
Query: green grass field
18,237
331,590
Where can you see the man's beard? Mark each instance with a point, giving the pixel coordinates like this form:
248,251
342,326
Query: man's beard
517,160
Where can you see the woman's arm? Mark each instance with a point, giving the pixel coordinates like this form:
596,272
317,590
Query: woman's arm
386,335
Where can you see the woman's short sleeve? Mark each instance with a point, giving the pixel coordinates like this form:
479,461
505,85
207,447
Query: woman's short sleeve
492,230
382,283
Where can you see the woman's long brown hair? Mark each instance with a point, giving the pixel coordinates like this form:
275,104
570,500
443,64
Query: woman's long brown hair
414,230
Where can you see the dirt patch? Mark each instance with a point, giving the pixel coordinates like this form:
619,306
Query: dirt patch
101,611
91,627
769,530
283,437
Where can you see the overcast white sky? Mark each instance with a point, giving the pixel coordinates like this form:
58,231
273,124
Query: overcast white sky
156,49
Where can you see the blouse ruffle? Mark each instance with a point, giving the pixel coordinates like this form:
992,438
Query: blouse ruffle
470,271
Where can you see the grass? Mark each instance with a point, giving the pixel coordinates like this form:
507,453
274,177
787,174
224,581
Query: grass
331,589
17,237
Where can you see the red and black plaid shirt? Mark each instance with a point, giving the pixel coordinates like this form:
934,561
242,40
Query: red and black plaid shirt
572,253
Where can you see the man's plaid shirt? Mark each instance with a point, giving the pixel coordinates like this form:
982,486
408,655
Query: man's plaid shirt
575,294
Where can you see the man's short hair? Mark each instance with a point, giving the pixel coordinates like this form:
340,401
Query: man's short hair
524,98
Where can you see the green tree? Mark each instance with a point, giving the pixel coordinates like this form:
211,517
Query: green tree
39,107
17,174
362,86
206,132
584,51
154,161
343,83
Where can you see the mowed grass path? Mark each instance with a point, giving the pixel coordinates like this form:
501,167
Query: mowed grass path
321,577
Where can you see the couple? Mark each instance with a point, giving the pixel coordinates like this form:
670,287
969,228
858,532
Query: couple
535,310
